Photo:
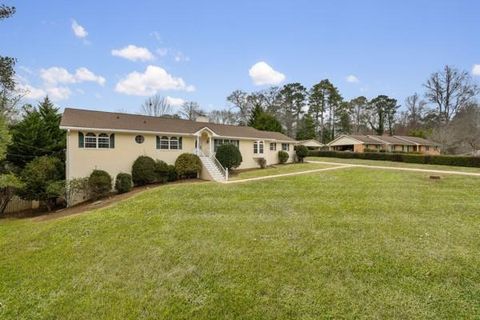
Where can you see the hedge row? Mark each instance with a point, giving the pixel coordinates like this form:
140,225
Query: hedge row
402,157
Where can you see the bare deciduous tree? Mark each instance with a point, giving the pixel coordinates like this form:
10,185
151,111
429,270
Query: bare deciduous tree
190,110
240,100
415,111
156,106
450,90
224,116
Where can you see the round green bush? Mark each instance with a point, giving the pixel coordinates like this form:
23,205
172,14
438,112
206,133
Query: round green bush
161,171
172,173
229,156
188,165
143,171
301,152
99,184
123,182
282,156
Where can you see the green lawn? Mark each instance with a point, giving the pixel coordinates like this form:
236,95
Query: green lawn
348,243
278,169
395,164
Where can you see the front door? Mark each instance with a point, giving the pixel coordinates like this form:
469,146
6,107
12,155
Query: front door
205,143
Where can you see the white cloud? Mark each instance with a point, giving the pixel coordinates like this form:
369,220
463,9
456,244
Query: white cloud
58,93
149,82
34,93
133,53
175,102
83,74
352,79
78,30
263,74
55,75
476,70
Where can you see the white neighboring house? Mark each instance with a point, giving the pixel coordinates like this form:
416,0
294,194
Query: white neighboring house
113,141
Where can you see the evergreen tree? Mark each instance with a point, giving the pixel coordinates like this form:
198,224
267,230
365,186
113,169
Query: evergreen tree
268,122
38,134
306,129
256,112
293,96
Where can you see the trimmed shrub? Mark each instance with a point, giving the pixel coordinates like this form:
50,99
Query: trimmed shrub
229,156
301,152
143,171
282,156
460,161
123,182
99,184
262,162
172,173
188,165
161,171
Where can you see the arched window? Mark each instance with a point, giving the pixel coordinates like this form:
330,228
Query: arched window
90,140
173,143
103,141
164,142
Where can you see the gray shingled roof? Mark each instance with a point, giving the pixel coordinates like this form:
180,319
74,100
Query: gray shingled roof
79,118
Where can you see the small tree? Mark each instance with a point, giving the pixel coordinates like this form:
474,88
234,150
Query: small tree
9,185
229,156
123,182
143,171
161,171
188,165
301,152
282,156
99,184
42,178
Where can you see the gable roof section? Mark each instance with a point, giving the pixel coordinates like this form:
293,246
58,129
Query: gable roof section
311,143
418,141
100,120
381,140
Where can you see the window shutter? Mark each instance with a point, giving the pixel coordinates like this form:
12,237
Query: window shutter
158,142
80,140
180,143
112,140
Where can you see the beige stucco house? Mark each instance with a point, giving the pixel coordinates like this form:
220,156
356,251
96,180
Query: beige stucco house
362,143
311,144
113,141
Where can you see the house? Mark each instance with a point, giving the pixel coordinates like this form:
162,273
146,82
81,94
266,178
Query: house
311,144
113,141
364,143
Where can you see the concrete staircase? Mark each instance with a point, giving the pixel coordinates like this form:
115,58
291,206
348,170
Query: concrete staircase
213,168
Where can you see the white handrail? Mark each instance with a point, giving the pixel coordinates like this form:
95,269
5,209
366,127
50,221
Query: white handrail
223,171
219,166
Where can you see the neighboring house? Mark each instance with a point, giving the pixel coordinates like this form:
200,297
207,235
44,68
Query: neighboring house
362,143
113,141
311,144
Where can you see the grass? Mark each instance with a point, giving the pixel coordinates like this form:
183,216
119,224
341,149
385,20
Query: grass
395,164
278,169
350,243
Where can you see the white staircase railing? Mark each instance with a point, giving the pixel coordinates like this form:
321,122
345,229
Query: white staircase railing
223,171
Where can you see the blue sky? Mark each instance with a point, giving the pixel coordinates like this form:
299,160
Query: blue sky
203,50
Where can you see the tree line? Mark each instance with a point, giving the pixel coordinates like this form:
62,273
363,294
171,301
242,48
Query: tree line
446,112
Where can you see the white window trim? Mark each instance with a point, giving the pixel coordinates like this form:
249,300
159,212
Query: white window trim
256,145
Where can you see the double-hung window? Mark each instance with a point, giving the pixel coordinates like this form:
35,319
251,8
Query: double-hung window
90,140
273,146
103,141
258,147
169,143
285,146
